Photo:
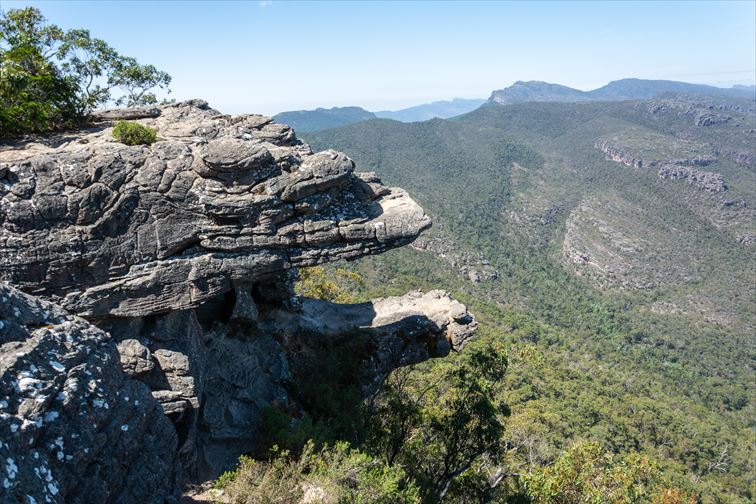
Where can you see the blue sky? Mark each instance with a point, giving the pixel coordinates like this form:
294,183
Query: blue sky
271,56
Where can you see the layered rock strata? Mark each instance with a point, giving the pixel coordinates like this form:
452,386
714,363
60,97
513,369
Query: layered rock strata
672,169
183,254
108,229
618,154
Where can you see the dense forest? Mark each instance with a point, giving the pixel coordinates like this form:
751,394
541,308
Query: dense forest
661,368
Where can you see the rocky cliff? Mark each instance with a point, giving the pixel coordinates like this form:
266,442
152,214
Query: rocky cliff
181,257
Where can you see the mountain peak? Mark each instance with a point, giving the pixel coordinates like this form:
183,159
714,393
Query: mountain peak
622,89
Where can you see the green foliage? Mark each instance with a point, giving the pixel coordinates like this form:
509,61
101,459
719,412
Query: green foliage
133,133
442,428
35,96
431,433
439,424
587,473
334,286
51,78
588,362
332,474
136,81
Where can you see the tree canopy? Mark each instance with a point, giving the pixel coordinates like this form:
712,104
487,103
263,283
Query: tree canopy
52,78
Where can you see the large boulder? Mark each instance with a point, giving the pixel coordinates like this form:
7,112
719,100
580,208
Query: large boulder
74,427
253,363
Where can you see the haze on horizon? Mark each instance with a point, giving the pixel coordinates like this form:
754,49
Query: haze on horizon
271,56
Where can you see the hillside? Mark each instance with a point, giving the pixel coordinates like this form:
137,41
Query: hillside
322,118
612,244
623,89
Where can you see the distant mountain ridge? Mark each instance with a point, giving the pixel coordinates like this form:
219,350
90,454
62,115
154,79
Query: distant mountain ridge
322,118
305,121
443,109
623,89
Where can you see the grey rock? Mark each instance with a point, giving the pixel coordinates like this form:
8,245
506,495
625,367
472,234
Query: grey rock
107,229
245,308
708,181
399,331
618,154
694,161
249,370
251,366
185,252
177,351
125,114
74,427
136,358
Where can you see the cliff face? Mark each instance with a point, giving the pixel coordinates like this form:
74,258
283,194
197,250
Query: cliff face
184,252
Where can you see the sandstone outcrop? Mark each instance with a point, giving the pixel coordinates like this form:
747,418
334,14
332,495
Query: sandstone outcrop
670,169
618,154
708,181
183,255
74,428
108,229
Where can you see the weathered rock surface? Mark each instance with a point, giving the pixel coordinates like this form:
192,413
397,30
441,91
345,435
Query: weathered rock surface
402,330
708,181
670,169
108,229
74,427
618,154
245,364
185,253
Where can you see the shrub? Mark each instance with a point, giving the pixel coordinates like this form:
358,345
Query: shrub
132,133
588,473
335,474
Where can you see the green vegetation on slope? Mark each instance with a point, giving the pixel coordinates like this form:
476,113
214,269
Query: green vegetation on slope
438,431
624,89
322,118
665,369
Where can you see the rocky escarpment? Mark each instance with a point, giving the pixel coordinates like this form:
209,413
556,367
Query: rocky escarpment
618,154
671,169
708,181
701,110
108,229
185,252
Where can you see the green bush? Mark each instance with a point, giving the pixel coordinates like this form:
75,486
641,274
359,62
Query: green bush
588,473
132,133
334,474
